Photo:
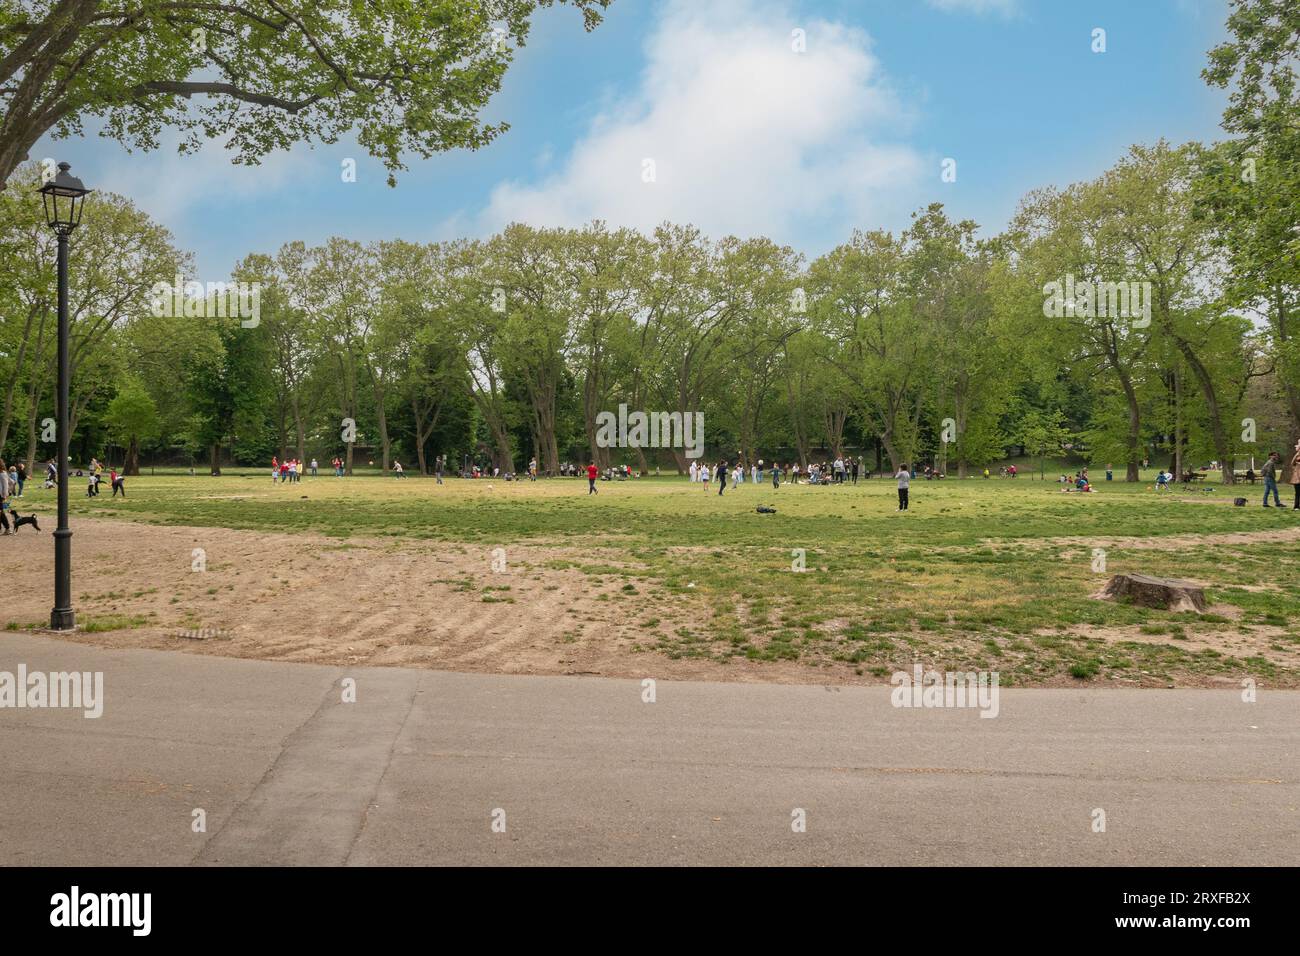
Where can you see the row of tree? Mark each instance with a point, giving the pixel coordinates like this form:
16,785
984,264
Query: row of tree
1149,312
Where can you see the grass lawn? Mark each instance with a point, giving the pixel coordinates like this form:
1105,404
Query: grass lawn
981,574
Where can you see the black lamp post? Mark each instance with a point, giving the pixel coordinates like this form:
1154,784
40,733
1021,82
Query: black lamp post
64,197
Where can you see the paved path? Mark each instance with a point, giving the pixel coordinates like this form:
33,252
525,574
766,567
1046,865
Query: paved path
585,772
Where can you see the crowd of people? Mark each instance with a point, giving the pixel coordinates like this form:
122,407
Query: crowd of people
838,472
1076,482
291,469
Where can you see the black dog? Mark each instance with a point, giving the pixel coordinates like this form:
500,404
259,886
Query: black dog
19,522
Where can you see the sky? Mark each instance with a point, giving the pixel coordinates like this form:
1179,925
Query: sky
801,120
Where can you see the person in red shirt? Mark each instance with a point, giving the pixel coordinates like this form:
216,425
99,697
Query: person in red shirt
591,479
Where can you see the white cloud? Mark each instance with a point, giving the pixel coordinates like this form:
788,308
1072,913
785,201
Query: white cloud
747,136
169,185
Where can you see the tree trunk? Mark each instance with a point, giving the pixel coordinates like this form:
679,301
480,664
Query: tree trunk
299,428
1133,472
31,444
131,467
1217,430
420,435
887,442
385,446
215,459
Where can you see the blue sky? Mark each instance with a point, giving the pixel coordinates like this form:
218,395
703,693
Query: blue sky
746,135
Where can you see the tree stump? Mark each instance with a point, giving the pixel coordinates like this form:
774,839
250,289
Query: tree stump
1146,591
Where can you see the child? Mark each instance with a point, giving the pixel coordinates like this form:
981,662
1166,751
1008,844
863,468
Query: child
118,482
904,477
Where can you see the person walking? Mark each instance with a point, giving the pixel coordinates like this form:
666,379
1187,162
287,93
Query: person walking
722,477
5,492
592,472
1292,475
904,481
1269,471
854,464
437,467
22,476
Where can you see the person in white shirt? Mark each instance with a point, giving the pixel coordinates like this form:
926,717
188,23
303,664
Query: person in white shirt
904,480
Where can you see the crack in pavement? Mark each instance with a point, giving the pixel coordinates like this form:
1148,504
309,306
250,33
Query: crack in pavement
309,807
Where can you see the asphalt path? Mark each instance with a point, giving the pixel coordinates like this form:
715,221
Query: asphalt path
206,760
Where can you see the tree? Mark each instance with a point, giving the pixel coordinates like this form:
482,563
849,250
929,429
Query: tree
1062,237
860,303
1147,202
116,257
1249,188
132,417
476,309
409,77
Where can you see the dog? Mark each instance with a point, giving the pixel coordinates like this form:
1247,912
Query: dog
20,521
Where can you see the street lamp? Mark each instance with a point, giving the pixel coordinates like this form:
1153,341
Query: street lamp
64,197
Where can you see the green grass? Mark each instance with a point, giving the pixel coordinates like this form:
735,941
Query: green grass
989,574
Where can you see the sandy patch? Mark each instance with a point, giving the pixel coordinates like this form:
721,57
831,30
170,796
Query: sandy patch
1173,542
305,597
1257,642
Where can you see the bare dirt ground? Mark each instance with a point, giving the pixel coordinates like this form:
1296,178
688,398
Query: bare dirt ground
311,598
1172,542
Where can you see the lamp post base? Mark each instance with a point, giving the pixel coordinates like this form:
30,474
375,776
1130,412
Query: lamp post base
63,619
